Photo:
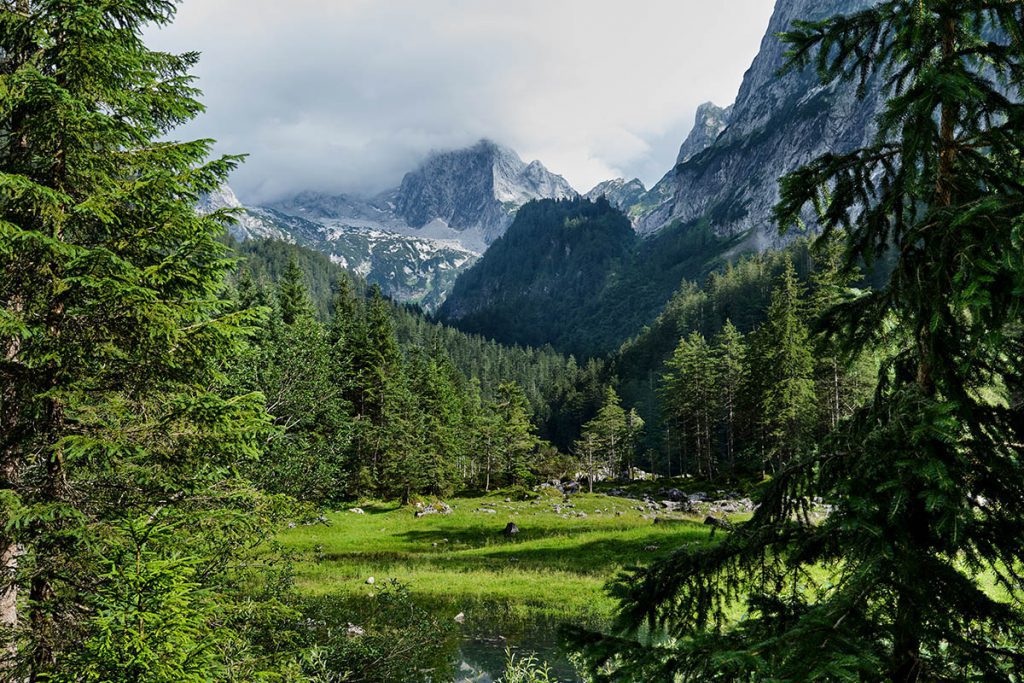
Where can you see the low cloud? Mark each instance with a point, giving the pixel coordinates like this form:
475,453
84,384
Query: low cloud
347,95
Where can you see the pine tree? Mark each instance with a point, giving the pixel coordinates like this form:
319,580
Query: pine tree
292,295
633,437
785,370
730,360
610,427
926,481
690,395
516,441
113,417
437,399
587,449
297,373
842,385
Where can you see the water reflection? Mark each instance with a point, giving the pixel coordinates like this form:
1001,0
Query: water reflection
483,647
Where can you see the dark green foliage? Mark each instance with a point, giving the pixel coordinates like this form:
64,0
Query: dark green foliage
926,480
118,438
690,396
782,375
295,366
748,401
514,441
740,293
608,443
361,414
562,394
389,637
533,284
574,275
292,297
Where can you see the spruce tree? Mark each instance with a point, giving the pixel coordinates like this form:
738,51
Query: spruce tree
115,429
730,360
914,572
516,440
292,294
691,396
633,441
609,425
785,371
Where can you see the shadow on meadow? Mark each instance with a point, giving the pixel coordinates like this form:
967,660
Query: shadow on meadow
583,551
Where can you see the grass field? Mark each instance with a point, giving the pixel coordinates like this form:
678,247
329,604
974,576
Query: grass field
557,566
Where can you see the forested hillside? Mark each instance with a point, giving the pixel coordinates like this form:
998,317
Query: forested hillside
562,393
726,358
573,274
538,282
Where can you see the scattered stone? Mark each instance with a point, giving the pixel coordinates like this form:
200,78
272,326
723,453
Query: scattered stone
433,509
675,495
508,500
355,631
487,511
511,529
718,523
358,511
460,618
370,581
651,548
571,487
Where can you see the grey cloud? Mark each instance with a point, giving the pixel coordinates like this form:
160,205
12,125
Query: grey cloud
346,95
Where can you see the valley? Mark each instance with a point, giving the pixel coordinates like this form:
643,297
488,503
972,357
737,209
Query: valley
425,412
499,591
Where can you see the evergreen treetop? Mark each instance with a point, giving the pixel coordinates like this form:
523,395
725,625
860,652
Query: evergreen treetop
926,482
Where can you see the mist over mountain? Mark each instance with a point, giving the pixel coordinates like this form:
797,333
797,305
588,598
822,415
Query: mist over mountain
716,202
412,240
713,206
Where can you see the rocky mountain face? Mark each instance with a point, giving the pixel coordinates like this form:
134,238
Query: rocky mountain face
249,224
415,239
407,268
710,122
716,203
479,188
469,195
621,193
777,123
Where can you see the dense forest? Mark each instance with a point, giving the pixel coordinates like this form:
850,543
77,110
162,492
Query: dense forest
562,393
171,401
573,274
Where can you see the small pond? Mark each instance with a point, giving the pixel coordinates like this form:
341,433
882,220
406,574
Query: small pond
482,650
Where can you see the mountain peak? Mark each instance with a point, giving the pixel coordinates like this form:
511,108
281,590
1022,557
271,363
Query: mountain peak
710,121
478,187
621,193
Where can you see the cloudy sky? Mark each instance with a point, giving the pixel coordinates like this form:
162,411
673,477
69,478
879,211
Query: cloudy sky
347,95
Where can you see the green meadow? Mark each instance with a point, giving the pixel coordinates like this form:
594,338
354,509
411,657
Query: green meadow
557,566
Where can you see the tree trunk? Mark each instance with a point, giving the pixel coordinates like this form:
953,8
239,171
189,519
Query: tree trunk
9,604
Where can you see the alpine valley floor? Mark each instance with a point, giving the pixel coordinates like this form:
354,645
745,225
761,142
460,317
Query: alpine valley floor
511,591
